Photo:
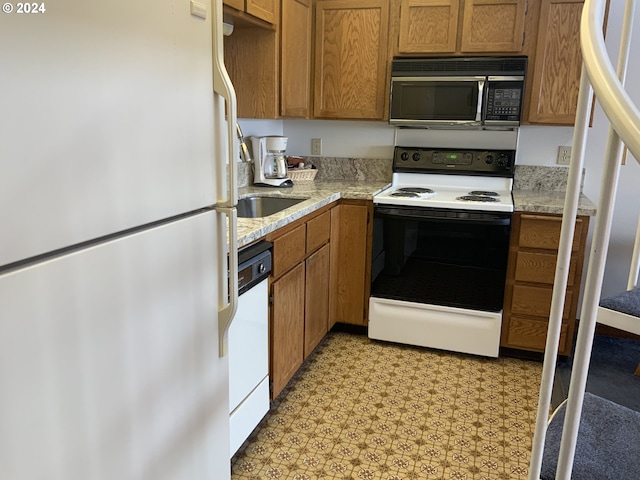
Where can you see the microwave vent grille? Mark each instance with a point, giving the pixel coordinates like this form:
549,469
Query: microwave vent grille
460,66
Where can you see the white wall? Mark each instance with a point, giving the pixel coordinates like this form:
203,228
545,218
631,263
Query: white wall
537,145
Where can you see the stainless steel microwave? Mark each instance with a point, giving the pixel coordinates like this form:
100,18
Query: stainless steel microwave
457,91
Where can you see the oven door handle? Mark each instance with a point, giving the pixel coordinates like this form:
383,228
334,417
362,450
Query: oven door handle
479,218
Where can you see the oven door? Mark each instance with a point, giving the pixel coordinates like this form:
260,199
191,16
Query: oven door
436,100
454,258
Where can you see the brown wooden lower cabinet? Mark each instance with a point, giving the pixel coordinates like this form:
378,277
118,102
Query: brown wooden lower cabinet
350,262
320,276
287,327
316,303
530,276
299,314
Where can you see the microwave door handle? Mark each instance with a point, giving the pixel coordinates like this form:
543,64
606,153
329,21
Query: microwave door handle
480,100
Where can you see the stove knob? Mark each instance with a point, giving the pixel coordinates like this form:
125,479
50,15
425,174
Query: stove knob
416,157
404,156
488,159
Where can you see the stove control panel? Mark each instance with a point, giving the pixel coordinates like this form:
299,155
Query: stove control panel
499,163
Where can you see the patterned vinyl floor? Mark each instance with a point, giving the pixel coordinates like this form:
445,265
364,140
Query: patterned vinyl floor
360,409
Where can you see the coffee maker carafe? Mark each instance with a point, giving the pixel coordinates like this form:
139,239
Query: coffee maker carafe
270,163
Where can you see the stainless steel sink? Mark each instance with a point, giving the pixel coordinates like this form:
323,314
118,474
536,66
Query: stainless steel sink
257,206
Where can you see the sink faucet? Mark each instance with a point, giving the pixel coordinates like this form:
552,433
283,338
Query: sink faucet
244,151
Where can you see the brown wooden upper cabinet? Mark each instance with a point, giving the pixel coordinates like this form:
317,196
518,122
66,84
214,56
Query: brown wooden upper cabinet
266,10
351,58
493,26
461,26
558,63
295,53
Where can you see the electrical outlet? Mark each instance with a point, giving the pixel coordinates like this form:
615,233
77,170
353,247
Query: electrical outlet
564,155
316,146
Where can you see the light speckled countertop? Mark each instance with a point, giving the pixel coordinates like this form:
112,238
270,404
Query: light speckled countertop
536,201
539,189
535,190
317,193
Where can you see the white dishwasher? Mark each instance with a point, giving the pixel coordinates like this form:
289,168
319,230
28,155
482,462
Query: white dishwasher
249,344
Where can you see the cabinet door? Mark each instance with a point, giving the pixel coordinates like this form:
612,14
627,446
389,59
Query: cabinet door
558,63
351,59
316,322
237,4
349,261
287,327
493,26
428,26
295,80
266,10
251,57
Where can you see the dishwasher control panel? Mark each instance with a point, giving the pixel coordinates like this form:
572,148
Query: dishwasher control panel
254,265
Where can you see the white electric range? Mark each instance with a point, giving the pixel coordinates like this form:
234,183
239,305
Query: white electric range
440,248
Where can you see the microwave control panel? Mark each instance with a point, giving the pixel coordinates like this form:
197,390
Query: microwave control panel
504,104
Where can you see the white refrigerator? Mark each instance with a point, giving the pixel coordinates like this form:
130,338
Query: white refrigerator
116,125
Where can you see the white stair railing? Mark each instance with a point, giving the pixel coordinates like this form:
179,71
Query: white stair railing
625,124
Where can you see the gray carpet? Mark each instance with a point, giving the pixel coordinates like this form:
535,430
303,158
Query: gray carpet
625,302
608,446
611,372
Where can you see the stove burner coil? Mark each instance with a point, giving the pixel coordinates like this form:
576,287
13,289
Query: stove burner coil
415,190
404,194
477,198
484,193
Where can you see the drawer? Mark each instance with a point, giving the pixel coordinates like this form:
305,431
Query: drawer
540,268
538,231
532,334
528,300
318,231
289,250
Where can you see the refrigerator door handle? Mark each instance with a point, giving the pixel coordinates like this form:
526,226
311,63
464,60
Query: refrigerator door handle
228,283
222,86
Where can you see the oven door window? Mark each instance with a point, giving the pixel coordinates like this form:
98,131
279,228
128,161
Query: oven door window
441,261
434,100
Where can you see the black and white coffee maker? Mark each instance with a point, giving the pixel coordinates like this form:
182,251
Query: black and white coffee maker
270,163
